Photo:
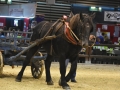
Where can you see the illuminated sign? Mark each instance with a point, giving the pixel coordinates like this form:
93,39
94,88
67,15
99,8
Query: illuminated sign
3,1
95,9
9,1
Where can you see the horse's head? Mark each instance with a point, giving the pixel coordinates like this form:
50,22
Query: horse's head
82,25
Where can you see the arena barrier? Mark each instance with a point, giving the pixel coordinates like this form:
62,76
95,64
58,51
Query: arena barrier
99,56
102,56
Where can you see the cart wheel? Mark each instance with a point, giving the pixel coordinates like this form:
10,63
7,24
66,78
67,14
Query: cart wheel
1,64
37,67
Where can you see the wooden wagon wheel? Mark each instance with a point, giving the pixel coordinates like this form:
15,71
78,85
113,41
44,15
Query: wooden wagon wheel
1,63
37,67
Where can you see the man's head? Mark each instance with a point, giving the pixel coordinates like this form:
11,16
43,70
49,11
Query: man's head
92,40
92,37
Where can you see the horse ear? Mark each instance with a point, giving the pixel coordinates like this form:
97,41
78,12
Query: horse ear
71,14
93,15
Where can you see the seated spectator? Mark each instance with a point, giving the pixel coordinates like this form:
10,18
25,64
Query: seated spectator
19,36
10,33
5,28
107,41
97,40
119,40
101,38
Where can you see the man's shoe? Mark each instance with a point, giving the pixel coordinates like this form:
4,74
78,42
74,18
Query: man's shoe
74,81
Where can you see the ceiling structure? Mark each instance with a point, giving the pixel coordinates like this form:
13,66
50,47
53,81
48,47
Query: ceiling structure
109,3
50,12
61,7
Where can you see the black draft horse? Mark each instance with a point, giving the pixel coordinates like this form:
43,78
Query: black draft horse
62,46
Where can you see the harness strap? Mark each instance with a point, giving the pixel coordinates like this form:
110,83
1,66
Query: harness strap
43,27
71,36
51,28
59,25
72,32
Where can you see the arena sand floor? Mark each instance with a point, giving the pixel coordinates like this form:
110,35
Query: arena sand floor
89,77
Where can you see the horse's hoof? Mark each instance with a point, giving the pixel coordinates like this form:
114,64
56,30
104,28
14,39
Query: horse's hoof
50,83
18,79
66,87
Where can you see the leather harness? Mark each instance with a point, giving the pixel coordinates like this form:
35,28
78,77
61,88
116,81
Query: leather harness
68,33
70,38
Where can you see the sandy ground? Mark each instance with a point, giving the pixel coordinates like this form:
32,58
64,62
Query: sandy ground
89,77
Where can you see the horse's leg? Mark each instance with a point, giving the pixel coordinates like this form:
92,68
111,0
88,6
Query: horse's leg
47,69
72,69
29,55
62,81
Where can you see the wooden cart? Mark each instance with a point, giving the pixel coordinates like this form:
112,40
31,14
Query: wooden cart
14,44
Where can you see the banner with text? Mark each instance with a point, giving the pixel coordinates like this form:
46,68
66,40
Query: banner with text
19,10
113,16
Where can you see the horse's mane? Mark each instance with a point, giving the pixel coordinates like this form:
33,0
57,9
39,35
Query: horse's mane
74,20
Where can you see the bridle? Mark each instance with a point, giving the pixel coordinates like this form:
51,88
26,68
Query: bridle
78,40
82,23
